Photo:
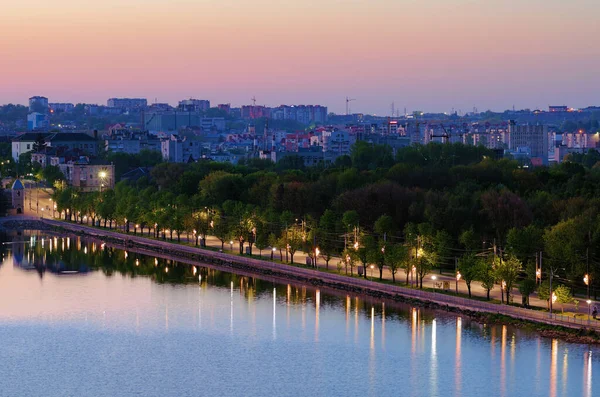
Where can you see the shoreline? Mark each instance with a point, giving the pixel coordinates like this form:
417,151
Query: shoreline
479,311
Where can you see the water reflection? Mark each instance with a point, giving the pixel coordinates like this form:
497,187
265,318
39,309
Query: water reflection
435,353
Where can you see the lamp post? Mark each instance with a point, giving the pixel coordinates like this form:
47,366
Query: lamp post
586,280
317,252
589,302
273,252
458,277
371,271
102,176
433,282
231,245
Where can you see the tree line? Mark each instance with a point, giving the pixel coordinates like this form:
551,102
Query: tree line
450,207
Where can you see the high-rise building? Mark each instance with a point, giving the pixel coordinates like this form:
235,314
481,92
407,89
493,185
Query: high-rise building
37,121
38,104
61,107
127,103
194,105
533,137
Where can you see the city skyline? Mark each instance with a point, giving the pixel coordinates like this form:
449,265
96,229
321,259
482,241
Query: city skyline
431,57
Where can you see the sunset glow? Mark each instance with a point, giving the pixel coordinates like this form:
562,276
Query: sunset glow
418,54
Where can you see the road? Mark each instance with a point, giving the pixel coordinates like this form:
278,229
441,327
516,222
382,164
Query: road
429,281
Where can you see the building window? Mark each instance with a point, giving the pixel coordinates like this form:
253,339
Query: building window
28,146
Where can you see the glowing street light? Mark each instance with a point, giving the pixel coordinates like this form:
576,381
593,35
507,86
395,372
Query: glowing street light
586,280
372,271
589,302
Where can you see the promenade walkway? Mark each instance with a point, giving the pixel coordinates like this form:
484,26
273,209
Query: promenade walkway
334,280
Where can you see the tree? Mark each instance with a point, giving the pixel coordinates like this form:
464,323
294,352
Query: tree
423,267
295,240
40,144
376,255
526,288
544,293
486,274
563,295
468,266
469,240
326,236
349,258
221,229
525,242
507,271
396,256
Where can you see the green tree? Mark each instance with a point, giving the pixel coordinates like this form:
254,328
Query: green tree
396,256
526,288
563,296
507,272
486,275
468,266
423,267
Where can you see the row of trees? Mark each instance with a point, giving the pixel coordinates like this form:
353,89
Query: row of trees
421,206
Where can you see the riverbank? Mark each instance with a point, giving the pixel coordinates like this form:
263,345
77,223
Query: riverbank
567,328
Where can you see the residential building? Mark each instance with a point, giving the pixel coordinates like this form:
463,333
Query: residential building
194,105
175,120
66,140
337,141
61,107
73,140
38,104
124,140
226,107
89,175
555,109
180,150
24,143
37,121
127,103
580,140
534,137
305,114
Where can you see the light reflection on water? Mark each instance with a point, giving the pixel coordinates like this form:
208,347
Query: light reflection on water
126,314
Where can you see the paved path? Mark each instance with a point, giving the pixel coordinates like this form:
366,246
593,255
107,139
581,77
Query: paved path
456,301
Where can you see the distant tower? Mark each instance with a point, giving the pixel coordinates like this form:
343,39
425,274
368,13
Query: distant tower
18,196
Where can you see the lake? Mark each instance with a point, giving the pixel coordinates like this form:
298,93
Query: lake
81,318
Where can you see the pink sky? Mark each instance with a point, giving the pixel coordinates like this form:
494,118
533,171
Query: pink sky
421,54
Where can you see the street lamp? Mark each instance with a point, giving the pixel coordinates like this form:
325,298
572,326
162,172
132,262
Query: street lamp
371,271
586,280
589,302
102,176
412,274
458,277
231,245
273,252
433,282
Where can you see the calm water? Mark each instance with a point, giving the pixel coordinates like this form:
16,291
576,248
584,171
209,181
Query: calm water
80,319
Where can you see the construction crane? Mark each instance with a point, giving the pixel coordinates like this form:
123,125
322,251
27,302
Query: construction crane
348,100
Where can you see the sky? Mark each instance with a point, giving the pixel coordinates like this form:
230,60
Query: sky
430,55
